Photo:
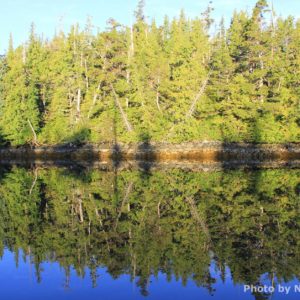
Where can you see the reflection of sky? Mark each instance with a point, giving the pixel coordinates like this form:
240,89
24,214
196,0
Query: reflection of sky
20,283
17,15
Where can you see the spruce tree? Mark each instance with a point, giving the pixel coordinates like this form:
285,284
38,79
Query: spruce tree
173,81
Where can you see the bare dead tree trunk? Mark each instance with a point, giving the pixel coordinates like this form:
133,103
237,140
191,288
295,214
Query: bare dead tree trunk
127,75
78,102
273,29
196,99
77,205
124,117
80,212
158,209
131,42
157,101
124,201
86,74
33,132
34,181
81,59
130,56
279,85
193,104
197,217
96,94
158,95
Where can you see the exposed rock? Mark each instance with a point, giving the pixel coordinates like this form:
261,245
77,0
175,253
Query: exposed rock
196,151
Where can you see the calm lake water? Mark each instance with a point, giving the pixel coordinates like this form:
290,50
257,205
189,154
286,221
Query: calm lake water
149,234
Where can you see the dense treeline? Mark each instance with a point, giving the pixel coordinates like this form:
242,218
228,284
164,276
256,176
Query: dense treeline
145,223
172,82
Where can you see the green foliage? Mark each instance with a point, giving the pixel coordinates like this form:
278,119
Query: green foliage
172,82
141,224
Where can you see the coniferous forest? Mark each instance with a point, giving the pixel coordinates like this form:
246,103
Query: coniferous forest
143,224
183,80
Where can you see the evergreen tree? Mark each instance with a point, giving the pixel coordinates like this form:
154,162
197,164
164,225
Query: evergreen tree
173,81
20,116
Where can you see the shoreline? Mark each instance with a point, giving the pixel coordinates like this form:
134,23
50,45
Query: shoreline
153,151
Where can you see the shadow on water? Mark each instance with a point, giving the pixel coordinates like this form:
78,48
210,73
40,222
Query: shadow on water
145,165
2,140
4,169
128,224
4,143
79,137
117,158
117,155
251,158
145,148
252,154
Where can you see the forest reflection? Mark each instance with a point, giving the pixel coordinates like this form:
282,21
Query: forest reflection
142,223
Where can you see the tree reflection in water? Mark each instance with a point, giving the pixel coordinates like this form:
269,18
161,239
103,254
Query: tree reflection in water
172,222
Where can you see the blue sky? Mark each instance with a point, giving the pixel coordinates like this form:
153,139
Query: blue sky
17,15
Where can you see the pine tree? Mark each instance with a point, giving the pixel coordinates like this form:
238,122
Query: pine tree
21,117
58,116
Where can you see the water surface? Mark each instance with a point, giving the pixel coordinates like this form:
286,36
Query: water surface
70,233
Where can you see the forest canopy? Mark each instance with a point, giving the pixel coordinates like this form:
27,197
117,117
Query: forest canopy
172,82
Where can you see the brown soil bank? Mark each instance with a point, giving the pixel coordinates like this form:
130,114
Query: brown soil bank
196,151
